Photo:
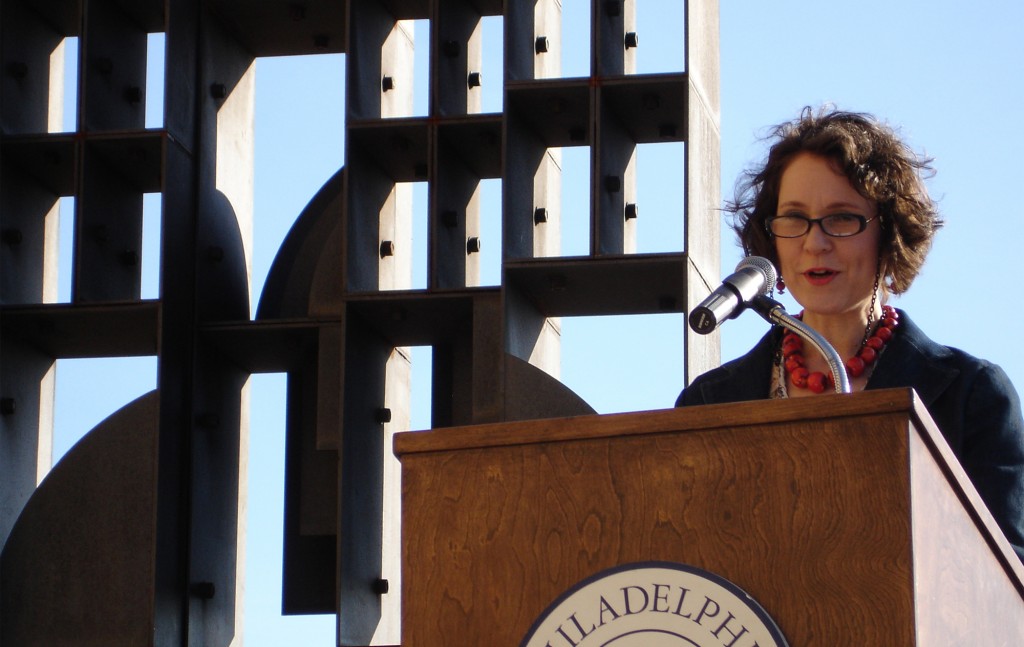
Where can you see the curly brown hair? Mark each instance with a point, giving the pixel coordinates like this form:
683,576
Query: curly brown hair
878,164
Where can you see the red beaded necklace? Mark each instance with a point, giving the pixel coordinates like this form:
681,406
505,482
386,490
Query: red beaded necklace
794,362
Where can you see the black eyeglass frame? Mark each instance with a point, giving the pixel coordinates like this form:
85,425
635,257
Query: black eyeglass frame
820,222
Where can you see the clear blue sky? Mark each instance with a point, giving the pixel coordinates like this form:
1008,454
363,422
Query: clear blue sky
947,74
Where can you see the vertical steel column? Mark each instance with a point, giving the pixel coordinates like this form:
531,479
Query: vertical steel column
703,177
108,212
207,207
31,72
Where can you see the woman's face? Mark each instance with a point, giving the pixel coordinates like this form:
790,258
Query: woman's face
826,275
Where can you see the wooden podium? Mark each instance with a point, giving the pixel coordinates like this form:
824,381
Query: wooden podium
846,517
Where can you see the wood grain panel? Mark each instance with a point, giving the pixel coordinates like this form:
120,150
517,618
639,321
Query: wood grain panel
813,525
961,584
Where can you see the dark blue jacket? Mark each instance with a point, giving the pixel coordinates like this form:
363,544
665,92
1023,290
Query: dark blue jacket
971,401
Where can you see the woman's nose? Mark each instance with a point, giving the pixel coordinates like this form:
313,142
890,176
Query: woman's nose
816,240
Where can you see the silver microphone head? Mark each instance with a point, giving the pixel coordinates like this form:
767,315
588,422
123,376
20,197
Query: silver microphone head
754,276
765,266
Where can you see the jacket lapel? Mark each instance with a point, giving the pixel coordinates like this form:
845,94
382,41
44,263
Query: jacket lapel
746,378
913,360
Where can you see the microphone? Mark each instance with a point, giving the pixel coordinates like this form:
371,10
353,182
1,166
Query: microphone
753,276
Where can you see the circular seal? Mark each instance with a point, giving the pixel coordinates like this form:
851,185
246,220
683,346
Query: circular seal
654,604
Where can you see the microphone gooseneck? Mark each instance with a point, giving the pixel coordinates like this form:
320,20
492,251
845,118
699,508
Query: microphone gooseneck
773,312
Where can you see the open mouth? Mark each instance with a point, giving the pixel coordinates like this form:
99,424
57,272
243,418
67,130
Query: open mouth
820,275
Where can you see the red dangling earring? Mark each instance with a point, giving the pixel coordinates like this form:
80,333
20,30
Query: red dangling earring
780,285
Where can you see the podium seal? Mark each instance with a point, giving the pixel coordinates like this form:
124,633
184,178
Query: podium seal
654,604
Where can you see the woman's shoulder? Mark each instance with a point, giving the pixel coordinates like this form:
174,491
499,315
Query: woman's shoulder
939,353
944,374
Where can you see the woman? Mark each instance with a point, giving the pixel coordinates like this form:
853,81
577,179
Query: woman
840,208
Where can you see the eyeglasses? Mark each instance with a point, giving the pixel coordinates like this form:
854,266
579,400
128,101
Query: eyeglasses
838,225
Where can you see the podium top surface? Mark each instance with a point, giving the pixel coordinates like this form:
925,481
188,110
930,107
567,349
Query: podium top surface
707,417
